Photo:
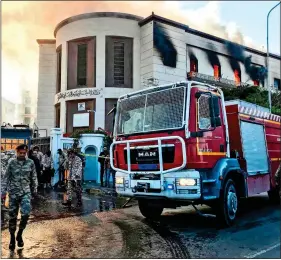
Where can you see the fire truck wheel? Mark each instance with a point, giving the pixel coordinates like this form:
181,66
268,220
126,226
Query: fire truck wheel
149,210
227,205
274,196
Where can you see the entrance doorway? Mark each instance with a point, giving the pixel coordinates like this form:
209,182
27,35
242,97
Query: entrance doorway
91,167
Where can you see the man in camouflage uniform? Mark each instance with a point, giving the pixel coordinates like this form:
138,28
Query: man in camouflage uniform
20,181
74,178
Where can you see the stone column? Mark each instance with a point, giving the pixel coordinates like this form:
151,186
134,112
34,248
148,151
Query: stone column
55,144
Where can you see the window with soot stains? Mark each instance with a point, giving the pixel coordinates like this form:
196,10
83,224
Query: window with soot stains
82,64
237,77
193,65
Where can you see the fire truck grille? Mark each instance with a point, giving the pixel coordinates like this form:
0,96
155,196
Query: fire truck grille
187,191
139,156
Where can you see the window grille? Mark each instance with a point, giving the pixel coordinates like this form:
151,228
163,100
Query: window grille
82,65
119,63
204,118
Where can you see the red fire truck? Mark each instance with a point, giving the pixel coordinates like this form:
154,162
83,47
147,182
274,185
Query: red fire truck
182,144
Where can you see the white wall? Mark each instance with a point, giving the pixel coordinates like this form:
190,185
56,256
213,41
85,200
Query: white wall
46,86
100,28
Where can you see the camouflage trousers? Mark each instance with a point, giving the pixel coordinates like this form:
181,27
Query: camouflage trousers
74,185
15,202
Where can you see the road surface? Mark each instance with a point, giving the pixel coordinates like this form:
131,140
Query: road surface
102,230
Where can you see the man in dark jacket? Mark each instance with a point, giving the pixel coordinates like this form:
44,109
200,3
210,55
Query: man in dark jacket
101,160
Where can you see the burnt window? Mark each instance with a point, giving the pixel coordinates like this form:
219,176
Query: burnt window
276,84
237,77
59,70
119,62
82,64
81,68
256,82
217,71
193,65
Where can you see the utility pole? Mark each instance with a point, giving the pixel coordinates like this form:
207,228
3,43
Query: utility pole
267,57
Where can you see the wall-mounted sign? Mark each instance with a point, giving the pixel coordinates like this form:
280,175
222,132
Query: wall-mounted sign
81,106
81,120
78,93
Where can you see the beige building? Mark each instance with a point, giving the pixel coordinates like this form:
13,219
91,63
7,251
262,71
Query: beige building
97,57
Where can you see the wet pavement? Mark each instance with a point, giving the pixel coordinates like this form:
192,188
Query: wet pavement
101,229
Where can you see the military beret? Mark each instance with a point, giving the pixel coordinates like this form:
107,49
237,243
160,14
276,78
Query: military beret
22,147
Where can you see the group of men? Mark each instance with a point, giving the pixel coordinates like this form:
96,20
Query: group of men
73,164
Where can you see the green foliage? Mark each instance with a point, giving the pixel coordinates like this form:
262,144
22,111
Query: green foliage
254,95
107,140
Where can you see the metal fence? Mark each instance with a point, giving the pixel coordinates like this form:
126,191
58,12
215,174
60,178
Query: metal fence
42,142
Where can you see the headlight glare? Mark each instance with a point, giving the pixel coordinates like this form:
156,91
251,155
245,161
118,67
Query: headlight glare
186,182
119,180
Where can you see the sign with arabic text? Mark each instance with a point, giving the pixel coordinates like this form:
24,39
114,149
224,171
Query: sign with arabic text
78,93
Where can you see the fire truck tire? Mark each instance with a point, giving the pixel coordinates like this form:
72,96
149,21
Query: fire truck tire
274,196
227,205
149,210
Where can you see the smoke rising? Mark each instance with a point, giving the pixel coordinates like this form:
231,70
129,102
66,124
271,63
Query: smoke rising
25,21
212,56
255,72
164,46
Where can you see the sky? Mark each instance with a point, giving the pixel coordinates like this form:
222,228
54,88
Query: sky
25,21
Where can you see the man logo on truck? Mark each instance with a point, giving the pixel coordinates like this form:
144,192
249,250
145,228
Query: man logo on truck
147,154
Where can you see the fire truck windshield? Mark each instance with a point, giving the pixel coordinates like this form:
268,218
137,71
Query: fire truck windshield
154,111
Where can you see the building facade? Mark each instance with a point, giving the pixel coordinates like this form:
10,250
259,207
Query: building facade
97,57
8,111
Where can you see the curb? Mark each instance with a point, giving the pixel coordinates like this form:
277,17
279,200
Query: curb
97,191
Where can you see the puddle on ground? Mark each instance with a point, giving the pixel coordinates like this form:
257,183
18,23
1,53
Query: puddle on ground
48,206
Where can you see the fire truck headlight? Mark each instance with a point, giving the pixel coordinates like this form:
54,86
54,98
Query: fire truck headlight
186,182
119,180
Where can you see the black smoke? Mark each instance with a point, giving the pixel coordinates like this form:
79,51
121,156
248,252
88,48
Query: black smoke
212,56
238,54
164,45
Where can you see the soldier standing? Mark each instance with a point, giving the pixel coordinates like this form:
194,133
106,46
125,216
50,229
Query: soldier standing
20,181
74,178
62,160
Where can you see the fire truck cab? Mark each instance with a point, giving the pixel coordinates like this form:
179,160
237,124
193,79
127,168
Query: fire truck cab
181,144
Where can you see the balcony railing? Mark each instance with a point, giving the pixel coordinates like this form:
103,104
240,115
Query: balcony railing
219,82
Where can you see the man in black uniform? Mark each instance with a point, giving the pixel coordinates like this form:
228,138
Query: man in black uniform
101,161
